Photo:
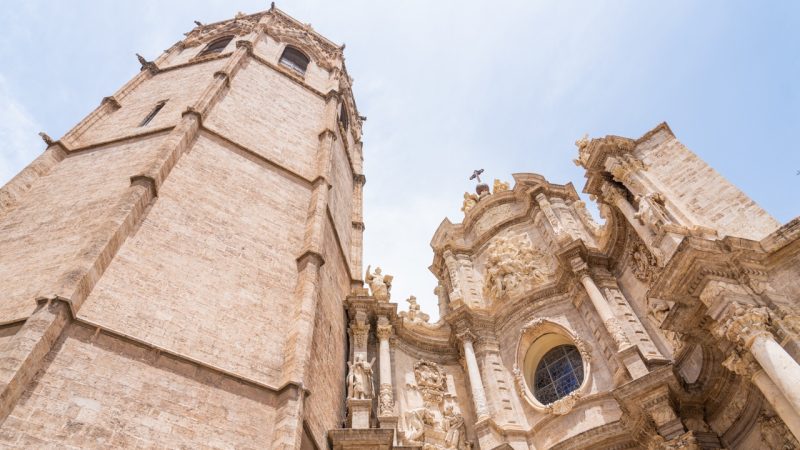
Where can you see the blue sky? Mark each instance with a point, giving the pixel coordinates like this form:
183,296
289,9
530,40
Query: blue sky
453,86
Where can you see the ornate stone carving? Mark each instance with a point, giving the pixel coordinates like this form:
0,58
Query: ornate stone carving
237,27
583,348
431,381
379,284
416,419
322,51
470,200
547,210
652,211
452,425
622,166
519,380
359,378
512,265
617,333
583,151
383,328
386,401
499,186
414,315
744,324
741,363
563,405
612,194
643,263
360,333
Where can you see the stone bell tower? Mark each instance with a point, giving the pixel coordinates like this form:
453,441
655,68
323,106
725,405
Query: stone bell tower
173,268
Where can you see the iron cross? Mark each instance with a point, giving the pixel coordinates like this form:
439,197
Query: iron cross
476,174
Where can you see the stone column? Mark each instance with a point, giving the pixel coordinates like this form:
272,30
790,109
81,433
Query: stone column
474,373
747,326
627,352
386,395
778,402
600,303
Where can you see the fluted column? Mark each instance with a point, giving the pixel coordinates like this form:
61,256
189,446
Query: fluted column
386,395
474,373
748,327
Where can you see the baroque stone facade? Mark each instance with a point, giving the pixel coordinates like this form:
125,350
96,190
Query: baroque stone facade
673,325
183,270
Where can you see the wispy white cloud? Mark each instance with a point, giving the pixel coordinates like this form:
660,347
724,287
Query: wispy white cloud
19,141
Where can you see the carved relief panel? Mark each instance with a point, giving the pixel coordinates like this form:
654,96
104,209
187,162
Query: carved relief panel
430,415
512,265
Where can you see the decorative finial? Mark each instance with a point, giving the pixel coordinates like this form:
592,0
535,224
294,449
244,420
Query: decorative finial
272,6
482,188
198,23
583,154
46,138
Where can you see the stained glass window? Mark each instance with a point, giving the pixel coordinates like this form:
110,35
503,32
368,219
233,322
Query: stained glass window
559,372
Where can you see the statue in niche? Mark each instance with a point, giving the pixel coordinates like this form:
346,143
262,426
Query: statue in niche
652,211
379,284
470,200
359,378
513,263
452,424
414,315
499,186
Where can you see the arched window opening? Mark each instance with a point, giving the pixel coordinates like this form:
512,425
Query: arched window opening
343,119
295,60
559,372
216,46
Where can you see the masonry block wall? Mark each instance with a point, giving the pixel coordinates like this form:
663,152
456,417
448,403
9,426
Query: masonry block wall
698,189
180,283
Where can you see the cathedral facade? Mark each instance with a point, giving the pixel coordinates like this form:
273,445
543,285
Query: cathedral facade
183,269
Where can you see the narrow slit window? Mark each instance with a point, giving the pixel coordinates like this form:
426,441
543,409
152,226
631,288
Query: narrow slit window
343,119
216,46
295,60
153,113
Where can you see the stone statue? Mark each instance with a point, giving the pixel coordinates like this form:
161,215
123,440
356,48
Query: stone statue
415,425
652,212
499,186
379,284
414,315
452,423
470,200
513,263
359,378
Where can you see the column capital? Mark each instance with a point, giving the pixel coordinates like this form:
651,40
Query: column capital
741,363
359,328
384,328
611,194
465,336
579,267
743,324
